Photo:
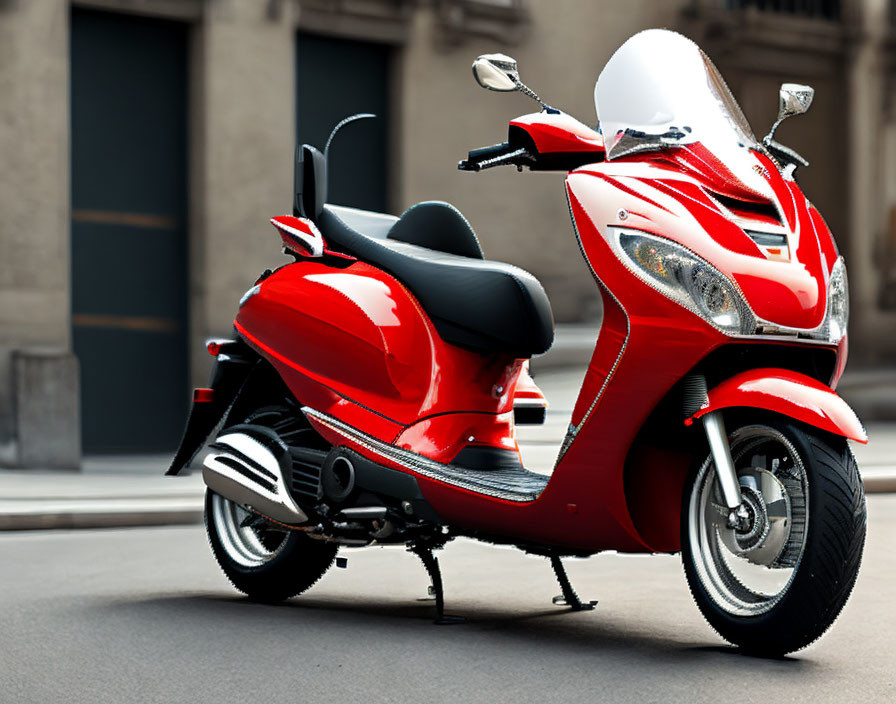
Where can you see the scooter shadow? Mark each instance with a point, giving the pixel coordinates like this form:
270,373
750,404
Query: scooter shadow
558,628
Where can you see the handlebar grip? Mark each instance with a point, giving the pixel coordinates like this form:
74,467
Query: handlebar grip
475,157
491,152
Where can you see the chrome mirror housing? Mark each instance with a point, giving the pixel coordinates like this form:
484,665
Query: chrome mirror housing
496,72
793,99
499,72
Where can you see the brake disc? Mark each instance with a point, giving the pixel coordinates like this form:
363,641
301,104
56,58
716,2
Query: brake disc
768,505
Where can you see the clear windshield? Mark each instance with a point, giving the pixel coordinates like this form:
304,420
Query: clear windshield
660,90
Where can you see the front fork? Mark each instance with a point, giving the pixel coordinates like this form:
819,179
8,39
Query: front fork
717,437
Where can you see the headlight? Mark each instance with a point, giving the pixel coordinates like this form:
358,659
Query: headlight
681,275
838,302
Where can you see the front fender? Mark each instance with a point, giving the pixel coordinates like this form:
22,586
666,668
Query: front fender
788,393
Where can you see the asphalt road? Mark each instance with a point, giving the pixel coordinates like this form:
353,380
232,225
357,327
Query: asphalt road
144,615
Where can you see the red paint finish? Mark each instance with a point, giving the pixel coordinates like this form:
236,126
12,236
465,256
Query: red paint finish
299,235
353,340
441,438
527,391
560,134
701,208
790,393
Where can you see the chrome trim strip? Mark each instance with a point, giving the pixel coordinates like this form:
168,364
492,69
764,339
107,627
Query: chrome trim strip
574,430
445,473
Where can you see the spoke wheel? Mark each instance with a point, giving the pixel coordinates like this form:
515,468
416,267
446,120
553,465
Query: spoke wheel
261,561
242,534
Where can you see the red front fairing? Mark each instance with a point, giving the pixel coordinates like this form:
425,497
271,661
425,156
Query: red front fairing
675,194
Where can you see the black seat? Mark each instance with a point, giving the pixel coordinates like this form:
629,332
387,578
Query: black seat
475,303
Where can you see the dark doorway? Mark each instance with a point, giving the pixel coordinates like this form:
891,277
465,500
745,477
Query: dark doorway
129,236
336,78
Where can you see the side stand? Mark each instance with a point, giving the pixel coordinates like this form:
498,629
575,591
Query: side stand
431,563
568,597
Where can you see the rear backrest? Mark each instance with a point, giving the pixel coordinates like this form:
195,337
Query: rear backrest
310,179
437,225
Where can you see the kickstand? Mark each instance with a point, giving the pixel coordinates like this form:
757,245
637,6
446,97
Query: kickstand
431,563
568,597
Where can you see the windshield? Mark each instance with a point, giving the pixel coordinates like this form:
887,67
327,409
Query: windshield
660,90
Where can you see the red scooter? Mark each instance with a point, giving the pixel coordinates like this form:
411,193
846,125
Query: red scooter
371,391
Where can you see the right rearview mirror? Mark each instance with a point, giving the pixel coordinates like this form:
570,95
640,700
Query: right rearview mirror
794,99
496,72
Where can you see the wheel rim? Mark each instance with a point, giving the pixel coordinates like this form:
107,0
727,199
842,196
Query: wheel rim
747,572
246,545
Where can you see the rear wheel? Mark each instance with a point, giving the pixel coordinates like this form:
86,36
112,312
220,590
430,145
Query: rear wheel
778,584
261,561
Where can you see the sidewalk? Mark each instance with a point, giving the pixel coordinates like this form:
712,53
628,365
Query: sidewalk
132,491
109,492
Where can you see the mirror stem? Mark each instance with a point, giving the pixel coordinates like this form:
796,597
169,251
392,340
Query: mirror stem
526,90
771,133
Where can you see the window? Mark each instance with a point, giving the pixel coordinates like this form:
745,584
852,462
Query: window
823,9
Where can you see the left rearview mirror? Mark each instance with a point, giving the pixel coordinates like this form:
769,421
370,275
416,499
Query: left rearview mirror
496,72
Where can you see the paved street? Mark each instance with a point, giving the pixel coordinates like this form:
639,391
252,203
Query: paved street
145,615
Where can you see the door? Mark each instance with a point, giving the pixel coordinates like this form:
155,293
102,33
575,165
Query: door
129,246
336,78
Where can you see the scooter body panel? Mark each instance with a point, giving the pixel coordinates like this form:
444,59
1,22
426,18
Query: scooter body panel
352,342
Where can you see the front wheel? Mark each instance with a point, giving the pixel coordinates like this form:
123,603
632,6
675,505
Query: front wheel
264,563
778,584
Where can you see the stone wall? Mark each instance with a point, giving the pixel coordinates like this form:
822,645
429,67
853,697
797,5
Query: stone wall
34,193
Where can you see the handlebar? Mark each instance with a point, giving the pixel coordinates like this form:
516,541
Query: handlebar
495,155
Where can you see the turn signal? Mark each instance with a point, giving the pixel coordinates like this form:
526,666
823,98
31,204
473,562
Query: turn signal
203,395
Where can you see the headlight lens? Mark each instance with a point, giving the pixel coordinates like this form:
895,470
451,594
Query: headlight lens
681,275
838,302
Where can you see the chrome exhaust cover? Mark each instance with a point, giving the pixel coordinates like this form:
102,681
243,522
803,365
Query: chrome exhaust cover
249,465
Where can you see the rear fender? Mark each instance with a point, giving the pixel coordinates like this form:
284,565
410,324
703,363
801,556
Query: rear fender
789,393
234,361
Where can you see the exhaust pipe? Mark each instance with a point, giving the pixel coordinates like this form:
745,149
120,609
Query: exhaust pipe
249,465
337,476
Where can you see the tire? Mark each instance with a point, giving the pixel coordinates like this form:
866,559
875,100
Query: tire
802,588
266,565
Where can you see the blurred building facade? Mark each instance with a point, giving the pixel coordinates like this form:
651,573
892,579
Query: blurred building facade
146,143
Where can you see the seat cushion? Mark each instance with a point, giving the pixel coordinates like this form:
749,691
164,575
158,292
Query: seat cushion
475,303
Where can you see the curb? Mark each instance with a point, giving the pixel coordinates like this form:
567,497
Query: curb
79,520
883,483
71,518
